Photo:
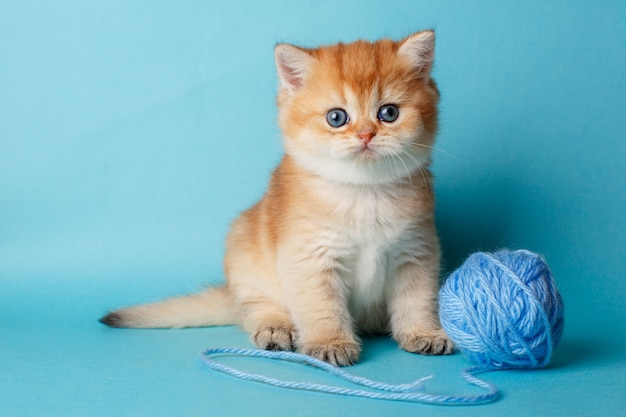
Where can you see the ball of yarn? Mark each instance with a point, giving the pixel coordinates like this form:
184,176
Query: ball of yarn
503,310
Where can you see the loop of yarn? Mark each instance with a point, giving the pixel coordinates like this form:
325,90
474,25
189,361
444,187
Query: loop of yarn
503,310
413,392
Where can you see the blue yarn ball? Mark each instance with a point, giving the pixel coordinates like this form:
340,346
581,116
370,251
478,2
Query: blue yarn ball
503,310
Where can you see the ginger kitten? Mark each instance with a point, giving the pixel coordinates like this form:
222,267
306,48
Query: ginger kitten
343,243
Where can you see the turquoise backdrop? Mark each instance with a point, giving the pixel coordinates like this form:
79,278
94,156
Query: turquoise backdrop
133,132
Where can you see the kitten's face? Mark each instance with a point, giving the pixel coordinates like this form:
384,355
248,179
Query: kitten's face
362,113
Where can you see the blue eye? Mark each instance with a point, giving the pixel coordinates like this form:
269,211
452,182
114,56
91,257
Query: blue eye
388,113
337,117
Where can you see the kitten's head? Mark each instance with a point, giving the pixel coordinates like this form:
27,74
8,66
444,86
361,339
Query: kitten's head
361,113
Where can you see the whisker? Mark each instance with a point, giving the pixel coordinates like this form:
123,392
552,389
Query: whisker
411,157
434,148
385,160
418,165
423,173
408,172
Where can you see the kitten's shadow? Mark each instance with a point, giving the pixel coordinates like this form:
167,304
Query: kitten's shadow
471,217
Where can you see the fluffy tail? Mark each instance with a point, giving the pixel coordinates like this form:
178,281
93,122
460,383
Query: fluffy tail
211,307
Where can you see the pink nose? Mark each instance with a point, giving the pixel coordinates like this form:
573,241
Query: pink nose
365,136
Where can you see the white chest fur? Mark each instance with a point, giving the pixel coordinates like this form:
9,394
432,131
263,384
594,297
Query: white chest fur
370,233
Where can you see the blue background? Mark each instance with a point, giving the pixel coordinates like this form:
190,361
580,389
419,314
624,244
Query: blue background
132,133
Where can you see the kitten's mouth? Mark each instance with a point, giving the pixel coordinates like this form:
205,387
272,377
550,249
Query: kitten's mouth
367,153
362,153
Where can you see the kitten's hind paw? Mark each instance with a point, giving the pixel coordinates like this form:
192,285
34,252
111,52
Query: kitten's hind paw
336,353
431,344
275,338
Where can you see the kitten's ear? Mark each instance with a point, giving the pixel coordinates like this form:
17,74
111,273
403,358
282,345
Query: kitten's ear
419,48
293,65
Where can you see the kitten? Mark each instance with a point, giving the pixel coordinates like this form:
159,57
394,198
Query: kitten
343,243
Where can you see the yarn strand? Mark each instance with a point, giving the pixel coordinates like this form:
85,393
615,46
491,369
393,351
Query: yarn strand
412,392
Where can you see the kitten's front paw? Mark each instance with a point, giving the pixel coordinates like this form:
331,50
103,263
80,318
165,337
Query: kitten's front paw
275,338
335,353
435,343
